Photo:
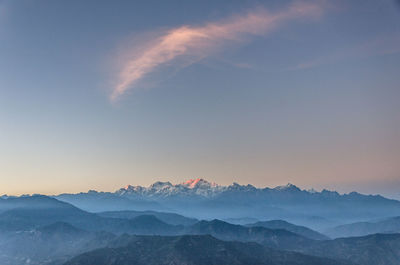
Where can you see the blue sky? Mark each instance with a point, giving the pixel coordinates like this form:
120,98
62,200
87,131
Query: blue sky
261,92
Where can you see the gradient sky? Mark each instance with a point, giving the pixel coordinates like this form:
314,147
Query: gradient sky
100,94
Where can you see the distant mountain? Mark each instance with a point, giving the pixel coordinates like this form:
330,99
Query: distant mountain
150,225
36,211
300,230
205,200
52,244
378,249
30,212
241,221
275,238
194,188
382,249
42,230
35,202
390,225
169,218
94,201
194,250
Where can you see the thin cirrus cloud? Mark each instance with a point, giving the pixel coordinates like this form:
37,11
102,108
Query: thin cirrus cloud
198,42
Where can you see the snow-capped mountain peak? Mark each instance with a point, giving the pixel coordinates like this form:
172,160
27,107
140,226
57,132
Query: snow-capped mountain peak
287,187
198,183
197,187
160,185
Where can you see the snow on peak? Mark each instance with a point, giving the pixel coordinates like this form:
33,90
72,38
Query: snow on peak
197,183
191,183
161,185
287,187
197,187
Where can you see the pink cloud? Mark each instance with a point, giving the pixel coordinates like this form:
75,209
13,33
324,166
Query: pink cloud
198,42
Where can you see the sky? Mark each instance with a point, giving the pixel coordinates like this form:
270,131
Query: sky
100,94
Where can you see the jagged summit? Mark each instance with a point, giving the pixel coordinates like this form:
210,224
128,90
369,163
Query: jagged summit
203,199
287,187
198,182
201,188
197,186
192,182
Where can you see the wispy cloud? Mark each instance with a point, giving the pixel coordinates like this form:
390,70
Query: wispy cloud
198,42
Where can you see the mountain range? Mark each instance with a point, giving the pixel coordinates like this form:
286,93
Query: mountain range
205,249
43,230
386,226
281,224
194,250
51,244
201,199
